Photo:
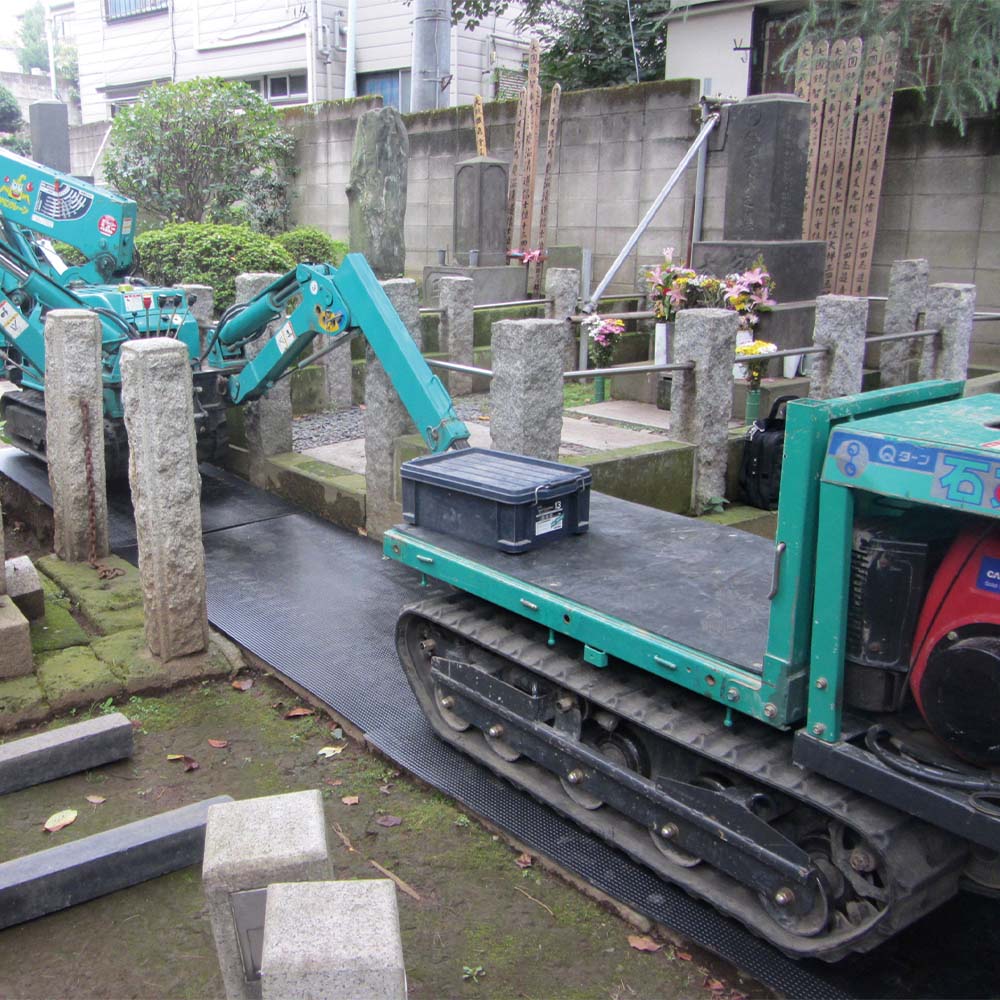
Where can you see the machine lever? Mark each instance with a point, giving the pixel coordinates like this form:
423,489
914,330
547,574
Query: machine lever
779,551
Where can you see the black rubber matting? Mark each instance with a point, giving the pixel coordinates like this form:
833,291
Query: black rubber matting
319,604
699,583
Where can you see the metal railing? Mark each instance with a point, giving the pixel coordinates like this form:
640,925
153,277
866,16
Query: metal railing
437,310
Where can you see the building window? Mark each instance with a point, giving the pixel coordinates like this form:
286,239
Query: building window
393,85
281,89
117,10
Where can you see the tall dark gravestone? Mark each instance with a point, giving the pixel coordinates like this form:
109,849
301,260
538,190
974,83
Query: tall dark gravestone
50,134
766,146
481,211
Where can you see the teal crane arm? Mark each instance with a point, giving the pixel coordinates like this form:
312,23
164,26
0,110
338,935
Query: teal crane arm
320,300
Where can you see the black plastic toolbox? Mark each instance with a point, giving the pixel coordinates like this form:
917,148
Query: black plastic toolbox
509,502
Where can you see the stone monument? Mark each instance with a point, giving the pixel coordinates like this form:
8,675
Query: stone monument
376,194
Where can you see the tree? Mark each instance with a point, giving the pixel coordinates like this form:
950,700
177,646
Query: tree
33,52
10,124
205,150
950,49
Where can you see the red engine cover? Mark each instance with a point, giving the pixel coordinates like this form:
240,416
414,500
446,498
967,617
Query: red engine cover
956,682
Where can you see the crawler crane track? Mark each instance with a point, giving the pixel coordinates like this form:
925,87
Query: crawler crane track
650,768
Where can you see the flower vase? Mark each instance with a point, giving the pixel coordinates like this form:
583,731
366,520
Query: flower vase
662,338
790,365
742,337
753,405
598,388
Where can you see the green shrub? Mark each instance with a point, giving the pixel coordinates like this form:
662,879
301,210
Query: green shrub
70,254
309,245
205,254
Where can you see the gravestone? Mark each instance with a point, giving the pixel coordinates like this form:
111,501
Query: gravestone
481,211
50,134
376,194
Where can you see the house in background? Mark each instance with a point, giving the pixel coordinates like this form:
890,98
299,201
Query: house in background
290,52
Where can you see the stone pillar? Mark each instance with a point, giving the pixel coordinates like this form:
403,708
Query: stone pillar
49,121
841,325
249,845
526,392
74,434
701,401
949,309
349,947
203,308
376,194
562,286
15,634
268,421
339,370
455,297
166,494
907,300
386,418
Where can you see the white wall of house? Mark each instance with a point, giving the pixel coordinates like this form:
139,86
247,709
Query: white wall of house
294,48
700,46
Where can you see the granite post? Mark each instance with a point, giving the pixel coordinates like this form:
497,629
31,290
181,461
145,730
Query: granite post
949,309
702,398
526,392
338,367
376,193
74,434
268,420
202,308
562,288
249,845
841,325
906,303
456,329
349,947
386,418
166,494
15,634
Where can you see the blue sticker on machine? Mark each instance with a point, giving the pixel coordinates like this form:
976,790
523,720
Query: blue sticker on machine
989,574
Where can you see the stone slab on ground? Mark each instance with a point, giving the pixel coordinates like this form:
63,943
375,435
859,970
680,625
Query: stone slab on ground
78,747
15,640
25,587
250,845
349,947
75,677
21,702
110,605
84,869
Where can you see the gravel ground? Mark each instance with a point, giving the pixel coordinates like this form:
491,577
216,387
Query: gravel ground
330,427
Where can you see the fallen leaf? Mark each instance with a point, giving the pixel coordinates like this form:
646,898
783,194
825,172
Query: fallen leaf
736,995
334,782
351,800
683,956
642,942
388,821
175,756
524,860
96,799
190,764
243,683
337,733
714,985
385,789
327,752
298,712
60,819
218,744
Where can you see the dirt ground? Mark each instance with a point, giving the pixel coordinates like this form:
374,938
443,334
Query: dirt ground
484,926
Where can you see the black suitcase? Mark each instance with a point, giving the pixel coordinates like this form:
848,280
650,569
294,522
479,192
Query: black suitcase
760,466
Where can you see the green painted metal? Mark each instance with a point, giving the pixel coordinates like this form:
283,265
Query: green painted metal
709,676
752,409
833,571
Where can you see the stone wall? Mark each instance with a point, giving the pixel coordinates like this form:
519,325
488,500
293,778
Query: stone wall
941,200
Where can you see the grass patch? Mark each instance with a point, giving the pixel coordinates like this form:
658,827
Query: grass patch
577,394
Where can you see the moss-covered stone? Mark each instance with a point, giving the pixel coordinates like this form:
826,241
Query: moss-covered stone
308,390
335,494
746,518
21,702
119,650
108,605
57,630
657,475
74,677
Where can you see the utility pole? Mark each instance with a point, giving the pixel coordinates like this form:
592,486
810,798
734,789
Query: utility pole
431,73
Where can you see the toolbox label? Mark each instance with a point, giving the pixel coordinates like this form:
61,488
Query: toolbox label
549,518
11,320
989,575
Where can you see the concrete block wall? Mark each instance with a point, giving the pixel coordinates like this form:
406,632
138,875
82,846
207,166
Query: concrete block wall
941,200
84,145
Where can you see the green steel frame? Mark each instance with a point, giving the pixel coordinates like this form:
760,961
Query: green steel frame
806,627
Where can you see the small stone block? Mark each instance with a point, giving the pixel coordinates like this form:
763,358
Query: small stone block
84,869
349,947
25,587
75,676
249,845
47,756
15,641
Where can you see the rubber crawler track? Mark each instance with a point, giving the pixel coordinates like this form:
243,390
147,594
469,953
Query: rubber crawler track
915,884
